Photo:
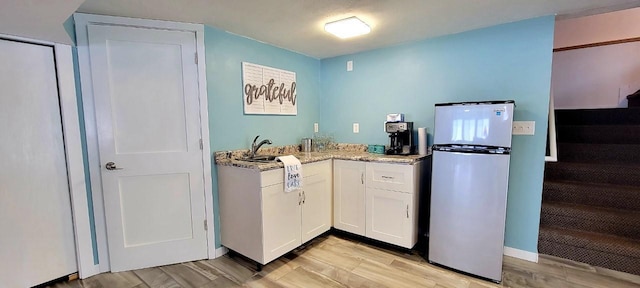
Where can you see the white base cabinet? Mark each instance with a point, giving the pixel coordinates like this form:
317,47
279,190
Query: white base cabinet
262,222
391,217
378,200
281,220
349,196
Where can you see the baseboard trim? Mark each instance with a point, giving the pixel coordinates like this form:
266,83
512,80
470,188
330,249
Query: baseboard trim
221,251
89,271
521,254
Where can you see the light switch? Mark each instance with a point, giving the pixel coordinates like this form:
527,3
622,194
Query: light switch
350,65
315,127
356,128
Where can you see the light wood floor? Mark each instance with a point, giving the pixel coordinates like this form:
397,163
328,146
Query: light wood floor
334,261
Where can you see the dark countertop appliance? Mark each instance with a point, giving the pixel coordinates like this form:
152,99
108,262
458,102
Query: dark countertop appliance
400,138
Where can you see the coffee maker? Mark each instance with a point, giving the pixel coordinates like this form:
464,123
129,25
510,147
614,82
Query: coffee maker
400,138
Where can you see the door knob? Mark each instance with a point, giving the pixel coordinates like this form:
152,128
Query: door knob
111,166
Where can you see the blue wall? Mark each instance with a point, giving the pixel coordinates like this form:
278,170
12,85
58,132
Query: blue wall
229,128
509,61
69,26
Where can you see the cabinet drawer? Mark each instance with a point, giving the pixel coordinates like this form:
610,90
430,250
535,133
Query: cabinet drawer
276,176
395,177
272,177
315,168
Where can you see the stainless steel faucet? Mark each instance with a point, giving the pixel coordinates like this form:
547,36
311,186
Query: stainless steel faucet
254,147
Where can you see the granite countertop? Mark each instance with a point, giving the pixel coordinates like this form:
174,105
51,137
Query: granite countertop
354,152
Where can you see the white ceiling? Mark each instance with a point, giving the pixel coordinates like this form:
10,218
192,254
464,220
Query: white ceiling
297,25
39,20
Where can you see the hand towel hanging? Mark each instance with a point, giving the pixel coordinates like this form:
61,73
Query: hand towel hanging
292,173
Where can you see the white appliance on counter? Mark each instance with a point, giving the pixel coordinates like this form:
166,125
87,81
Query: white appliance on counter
471,151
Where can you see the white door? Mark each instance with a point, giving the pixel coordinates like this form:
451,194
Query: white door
147,114
389,216
349,198
316,206
37,240
281,221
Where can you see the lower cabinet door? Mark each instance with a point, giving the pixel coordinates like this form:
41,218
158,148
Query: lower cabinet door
316,206
389,216
281,221
349,196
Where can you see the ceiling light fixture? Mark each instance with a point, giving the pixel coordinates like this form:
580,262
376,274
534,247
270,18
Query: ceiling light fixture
347,28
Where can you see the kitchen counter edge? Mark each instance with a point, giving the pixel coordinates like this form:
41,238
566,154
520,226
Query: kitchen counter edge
321,156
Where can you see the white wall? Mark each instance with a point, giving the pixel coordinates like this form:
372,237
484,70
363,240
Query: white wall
596,77
597,28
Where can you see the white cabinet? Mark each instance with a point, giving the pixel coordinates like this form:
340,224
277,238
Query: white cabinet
316,204
262,222
392,202
378,200
349,196
280,221
390,217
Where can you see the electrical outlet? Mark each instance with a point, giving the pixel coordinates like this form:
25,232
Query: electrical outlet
315,127
524,127
356,128
517,128
529,127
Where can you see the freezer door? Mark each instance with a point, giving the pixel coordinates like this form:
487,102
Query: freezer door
468,210
477,124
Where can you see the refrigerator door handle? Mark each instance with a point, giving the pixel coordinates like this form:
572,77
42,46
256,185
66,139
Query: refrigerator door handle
362,178
407,211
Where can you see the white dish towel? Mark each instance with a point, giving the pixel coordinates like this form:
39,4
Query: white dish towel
292,173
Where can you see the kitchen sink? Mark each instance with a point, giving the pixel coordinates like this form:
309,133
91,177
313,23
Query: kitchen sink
260,158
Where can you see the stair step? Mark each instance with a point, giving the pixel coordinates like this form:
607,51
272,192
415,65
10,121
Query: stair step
611,196
599,153
626,175
598,134
602,250
613,116
623,223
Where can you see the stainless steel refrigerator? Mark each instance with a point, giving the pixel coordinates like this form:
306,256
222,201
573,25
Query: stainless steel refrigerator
472,143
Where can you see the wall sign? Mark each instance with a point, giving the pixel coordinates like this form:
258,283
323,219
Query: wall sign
268,90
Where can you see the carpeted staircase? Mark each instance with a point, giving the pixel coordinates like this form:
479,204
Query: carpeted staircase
591,197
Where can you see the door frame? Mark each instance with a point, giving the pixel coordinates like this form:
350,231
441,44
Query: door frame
81,23
65,79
